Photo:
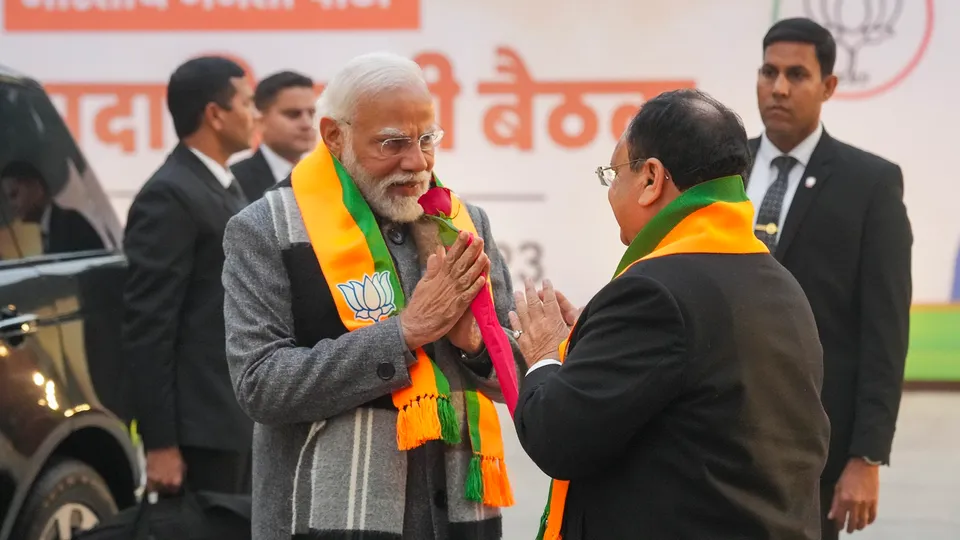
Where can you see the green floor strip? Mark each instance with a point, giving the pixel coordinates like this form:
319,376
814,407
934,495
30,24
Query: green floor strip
934,353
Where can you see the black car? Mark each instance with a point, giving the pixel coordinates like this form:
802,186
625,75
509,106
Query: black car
66,455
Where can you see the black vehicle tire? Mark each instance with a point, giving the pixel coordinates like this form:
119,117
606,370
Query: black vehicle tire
66,489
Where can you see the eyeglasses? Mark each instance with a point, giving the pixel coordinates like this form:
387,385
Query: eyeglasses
608,174
395,146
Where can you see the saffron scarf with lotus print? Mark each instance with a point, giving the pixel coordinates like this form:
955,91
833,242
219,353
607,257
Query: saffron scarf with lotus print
366,289
711,217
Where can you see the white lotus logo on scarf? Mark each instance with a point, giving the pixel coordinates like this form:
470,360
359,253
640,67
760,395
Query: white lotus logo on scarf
371,299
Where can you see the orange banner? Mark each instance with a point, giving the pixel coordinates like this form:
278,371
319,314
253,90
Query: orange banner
512,124
131,116
207,15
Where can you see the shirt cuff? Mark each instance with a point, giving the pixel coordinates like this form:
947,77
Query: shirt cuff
541,363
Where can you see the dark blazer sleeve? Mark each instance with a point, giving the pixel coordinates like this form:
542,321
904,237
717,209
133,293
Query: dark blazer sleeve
159,244
625,365
254,175
885,294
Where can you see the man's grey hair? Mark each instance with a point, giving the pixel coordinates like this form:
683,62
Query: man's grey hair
367,76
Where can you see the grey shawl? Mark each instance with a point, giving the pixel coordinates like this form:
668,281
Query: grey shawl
326,464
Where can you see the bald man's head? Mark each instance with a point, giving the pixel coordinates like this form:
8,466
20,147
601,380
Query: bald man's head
695,136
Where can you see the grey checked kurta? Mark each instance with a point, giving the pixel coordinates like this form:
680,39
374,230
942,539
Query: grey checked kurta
352,477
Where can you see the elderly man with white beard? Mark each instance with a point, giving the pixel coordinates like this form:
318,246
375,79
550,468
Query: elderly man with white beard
350,338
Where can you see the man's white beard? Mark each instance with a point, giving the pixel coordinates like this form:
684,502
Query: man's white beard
375,190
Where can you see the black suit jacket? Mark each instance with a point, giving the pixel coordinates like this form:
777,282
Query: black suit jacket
688,406
254,175
173,332
70,231
847,240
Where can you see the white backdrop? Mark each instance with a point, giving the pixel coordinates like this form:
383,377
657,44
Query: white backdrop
546,205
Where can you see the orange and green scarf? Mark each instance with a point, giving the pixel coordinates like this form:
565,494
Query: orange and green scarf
366,289
712,217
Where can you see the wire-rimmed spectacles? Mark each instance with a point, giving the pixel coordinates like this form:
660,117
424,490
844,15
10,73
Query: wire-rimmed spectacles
395,146
608,174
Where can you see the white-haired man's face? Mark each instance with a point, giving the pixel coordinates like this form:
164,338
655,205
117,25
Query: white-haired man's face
388,149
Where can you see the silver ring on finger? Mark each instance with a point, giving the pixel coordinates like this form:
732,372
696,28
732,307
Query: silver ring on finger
516,334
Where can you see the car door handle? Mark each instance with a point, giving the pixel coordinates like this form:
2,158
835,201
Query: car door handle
20,325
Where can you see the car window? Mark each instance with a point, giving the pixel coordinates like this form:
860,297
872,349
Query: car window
50,202
9,250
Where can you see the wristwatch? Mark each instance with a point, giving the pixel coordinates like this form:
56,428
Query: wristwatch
870,461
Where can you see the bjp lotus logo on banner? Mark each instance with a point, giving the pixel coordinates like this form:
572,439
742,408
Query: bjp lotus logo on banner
371,298
879,42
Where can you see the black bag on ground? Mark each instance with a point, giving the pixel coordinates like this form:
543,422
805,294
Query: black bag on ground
192,515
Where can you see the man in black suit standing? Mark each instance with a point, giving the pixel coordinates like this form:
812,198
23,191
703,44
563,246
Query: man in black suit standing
187,413
286,105
834,216
62,230
686,404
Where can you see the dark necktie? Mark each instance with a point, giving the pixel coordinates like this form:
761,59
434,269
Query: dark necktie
768,218
235,194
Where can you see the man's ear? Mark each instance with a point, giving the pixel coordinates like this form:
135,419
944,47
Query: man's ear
829,86
652,176
211,116
332,136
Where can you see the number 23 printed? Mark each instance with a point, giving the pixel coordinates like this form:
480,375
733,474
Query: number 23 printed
525,259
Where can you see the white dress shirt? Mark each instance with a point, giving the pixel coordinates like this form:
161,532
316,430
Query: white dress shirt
279,166
45,227
541,363
45,220
764,173
222,174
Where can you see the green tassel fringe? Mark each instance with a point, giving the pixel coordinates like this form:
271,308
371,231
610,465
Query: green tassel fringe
474,488
543,525
449,428
546,514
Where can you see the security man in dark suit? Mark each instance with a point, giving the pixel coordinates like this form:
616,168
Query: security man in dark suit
173,334
687,403
285,104
62,230
834,216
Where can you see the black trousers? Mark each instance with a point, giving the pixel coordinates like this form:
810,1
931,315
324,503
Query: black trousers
827,527
217,470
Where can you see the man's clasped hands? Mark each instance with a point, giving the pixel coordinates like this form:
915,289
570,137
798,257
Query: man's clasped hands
439,305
